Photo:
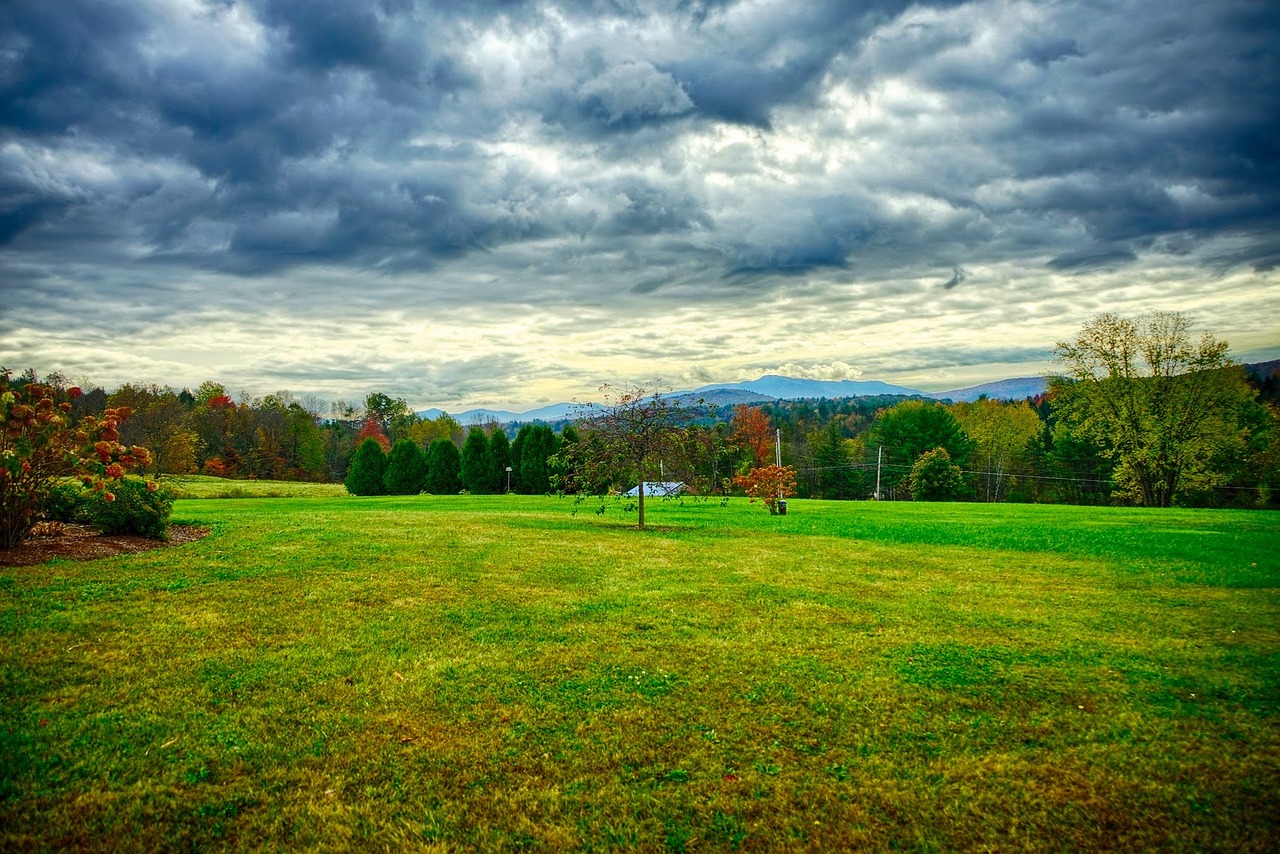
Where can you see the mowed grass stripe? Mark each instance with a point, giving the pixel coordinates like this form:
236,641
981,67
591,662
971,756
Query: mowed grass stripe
500,673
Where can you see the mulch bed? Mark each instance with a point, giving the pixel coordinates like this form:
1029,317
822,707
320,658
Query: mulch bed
80,542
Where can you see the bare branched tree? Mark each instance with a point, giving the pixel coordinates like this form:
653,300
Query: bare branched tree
629,434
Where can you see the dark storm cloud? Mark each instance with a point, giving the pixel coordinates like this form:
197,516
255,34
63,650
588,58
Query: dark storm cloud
336,81
334,78
776,59
63,62
1097,258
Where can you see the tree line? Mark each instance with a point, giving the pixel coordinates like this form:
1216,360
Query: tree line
487,463
1140,412
1163,420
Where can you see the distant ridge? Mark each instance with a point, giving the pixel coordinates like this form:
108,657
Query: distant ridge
554,412
1018,388
773,387
1262,370
789,388
769,388
722,397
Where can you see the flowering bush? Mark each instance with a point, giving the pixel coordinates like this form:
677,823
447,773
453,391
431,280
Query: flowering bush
769,484
40,446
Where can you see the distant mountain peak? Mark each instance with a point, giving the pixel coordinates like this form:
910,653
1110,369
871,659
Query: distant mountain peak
771,387
787,388
1016,388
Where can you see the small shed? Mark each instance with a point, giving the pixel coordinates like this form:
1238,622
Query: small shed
661,489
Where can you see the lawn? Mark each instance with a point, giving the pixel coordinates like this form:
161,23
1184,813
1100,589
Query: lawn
500,673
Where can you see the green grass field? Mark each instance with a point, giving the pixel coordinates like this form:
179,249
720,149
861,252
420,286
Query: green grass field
497,673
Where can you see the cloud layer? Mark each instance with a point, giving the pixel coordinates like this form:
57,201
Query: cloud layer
511,202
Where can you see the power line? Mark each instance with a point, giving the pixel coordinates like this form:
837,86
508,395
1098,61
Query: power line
1003,475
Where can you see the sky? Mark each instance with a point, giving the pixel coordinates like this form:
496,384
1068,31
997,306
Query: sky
509,204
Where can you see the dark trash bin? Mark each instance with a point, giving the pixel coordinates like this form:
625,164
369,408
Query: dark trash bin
782,508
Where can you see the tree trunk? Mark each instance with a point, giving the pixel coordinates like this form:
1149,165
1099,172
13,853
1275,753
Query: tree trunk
640,467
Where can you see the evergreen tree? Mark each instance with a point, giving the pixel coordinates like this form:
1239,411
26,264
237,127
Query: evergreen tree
500,451
444,467
517,458
364,476
911,428
835,473
562,471
406,469
477,463
535,472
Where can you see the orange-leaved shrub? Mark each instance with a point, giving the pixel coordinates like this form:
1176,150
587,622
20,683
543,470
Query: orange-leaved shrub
40,447
769,484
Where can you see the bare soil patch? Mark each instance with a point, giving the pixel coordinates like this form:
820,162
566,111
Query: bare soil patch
80,542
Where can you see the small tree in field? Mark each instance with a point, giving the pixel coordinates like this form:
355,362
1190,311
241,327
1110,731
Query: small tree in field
626,437
935,478
769,484
406,469
39,447
368,467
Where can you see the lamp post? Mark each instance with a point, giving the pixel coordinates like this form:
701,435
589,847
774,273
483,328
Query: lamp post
508,480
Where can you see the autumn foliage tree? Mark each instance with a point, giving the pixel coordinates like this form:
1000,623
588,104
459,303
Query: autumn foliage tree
1001,433
768,484
751,431
372,429
763,481
40,446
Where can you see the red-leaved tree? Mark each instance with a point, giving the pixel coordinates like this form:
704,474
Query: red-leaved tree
751,432
770,484
373,430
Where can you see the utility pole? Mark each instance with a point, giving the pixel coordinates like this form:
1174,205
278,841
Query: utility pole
879,455
777,454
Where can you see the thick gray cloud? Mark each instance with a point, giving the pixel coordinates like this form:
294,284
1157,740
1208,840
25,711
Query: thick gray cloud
723,185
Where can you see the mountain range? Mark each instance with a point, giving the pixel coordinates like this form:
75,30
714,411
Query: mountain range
772,387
